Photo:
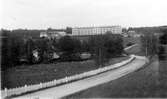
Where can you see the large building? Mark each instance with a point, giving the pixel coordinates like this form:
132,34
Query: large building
81,31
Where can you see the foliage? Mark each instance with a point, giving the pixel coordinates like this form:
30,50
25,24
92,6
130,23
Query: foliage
69,30
163,38
10,50
26,33
158,29
69,45
18,46
162,49
29,49
85,46
149,44
105,46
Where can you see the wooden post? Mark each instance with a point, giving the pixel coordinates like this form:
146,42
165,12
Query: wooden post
6,92
25,88
40,85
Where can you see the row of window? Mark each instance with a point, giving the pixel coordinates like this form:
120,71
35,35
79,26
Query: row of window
93,31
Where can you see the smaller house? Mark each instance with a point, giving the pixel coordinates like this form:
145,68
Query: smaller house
124,34
53,33
43,34
35,54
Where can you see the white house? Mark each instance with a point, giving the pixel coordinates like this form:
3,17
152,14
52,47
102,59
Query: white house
52,34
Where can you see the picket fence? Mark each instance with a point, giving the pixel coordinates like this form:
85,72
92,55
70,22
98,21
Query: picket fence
29,88
129,47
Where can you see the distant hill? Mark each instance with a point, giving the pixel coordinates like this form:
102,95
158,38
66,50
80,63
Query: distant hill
29,33
26,33
155,29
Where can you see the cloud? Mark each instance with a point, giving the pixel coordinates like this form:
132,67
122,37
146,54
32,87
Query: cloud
62,13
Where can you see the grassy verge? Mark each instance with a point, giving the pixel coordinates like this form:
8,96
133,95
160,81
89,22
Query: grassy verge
34,74
136,49
126,40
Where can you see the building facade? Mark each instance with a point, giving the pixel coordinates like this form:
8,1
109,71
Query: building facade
96,30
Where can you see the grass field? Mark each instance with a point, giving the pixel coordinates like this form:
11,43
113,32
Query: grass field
34,74
127,40
134,50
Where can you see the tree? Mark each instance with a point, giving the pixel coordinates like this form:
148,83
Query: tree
163,38
66,44
11,48
114,44
6,50
69,45
69,30
106,46
85,46
29,50
77,45
149,44
45,47
162,45
98,49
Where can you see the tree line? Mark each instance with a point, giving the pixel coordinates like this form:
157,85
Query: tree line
14,47
151,43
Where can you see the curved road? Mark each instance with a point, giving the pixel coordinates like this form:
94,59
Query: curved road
148,82
74,87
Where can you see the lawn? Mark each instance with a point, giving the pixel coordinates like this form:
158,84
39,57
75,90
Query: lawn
127,40
136,49
34,74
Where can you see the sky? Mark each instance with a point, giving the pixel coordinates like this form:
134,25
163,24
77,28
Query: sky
42,14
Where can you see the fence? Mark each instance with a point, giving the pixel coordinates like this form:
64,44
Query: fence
127,48
29,88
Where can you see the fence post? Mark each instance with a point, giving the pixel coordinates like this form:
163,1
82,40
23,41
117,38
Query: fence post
55,82
40,85
25,88
52,83
6,92
66,79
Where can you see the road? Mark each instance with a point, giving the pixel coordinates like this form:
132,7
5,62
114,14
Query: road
150,81
74,87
